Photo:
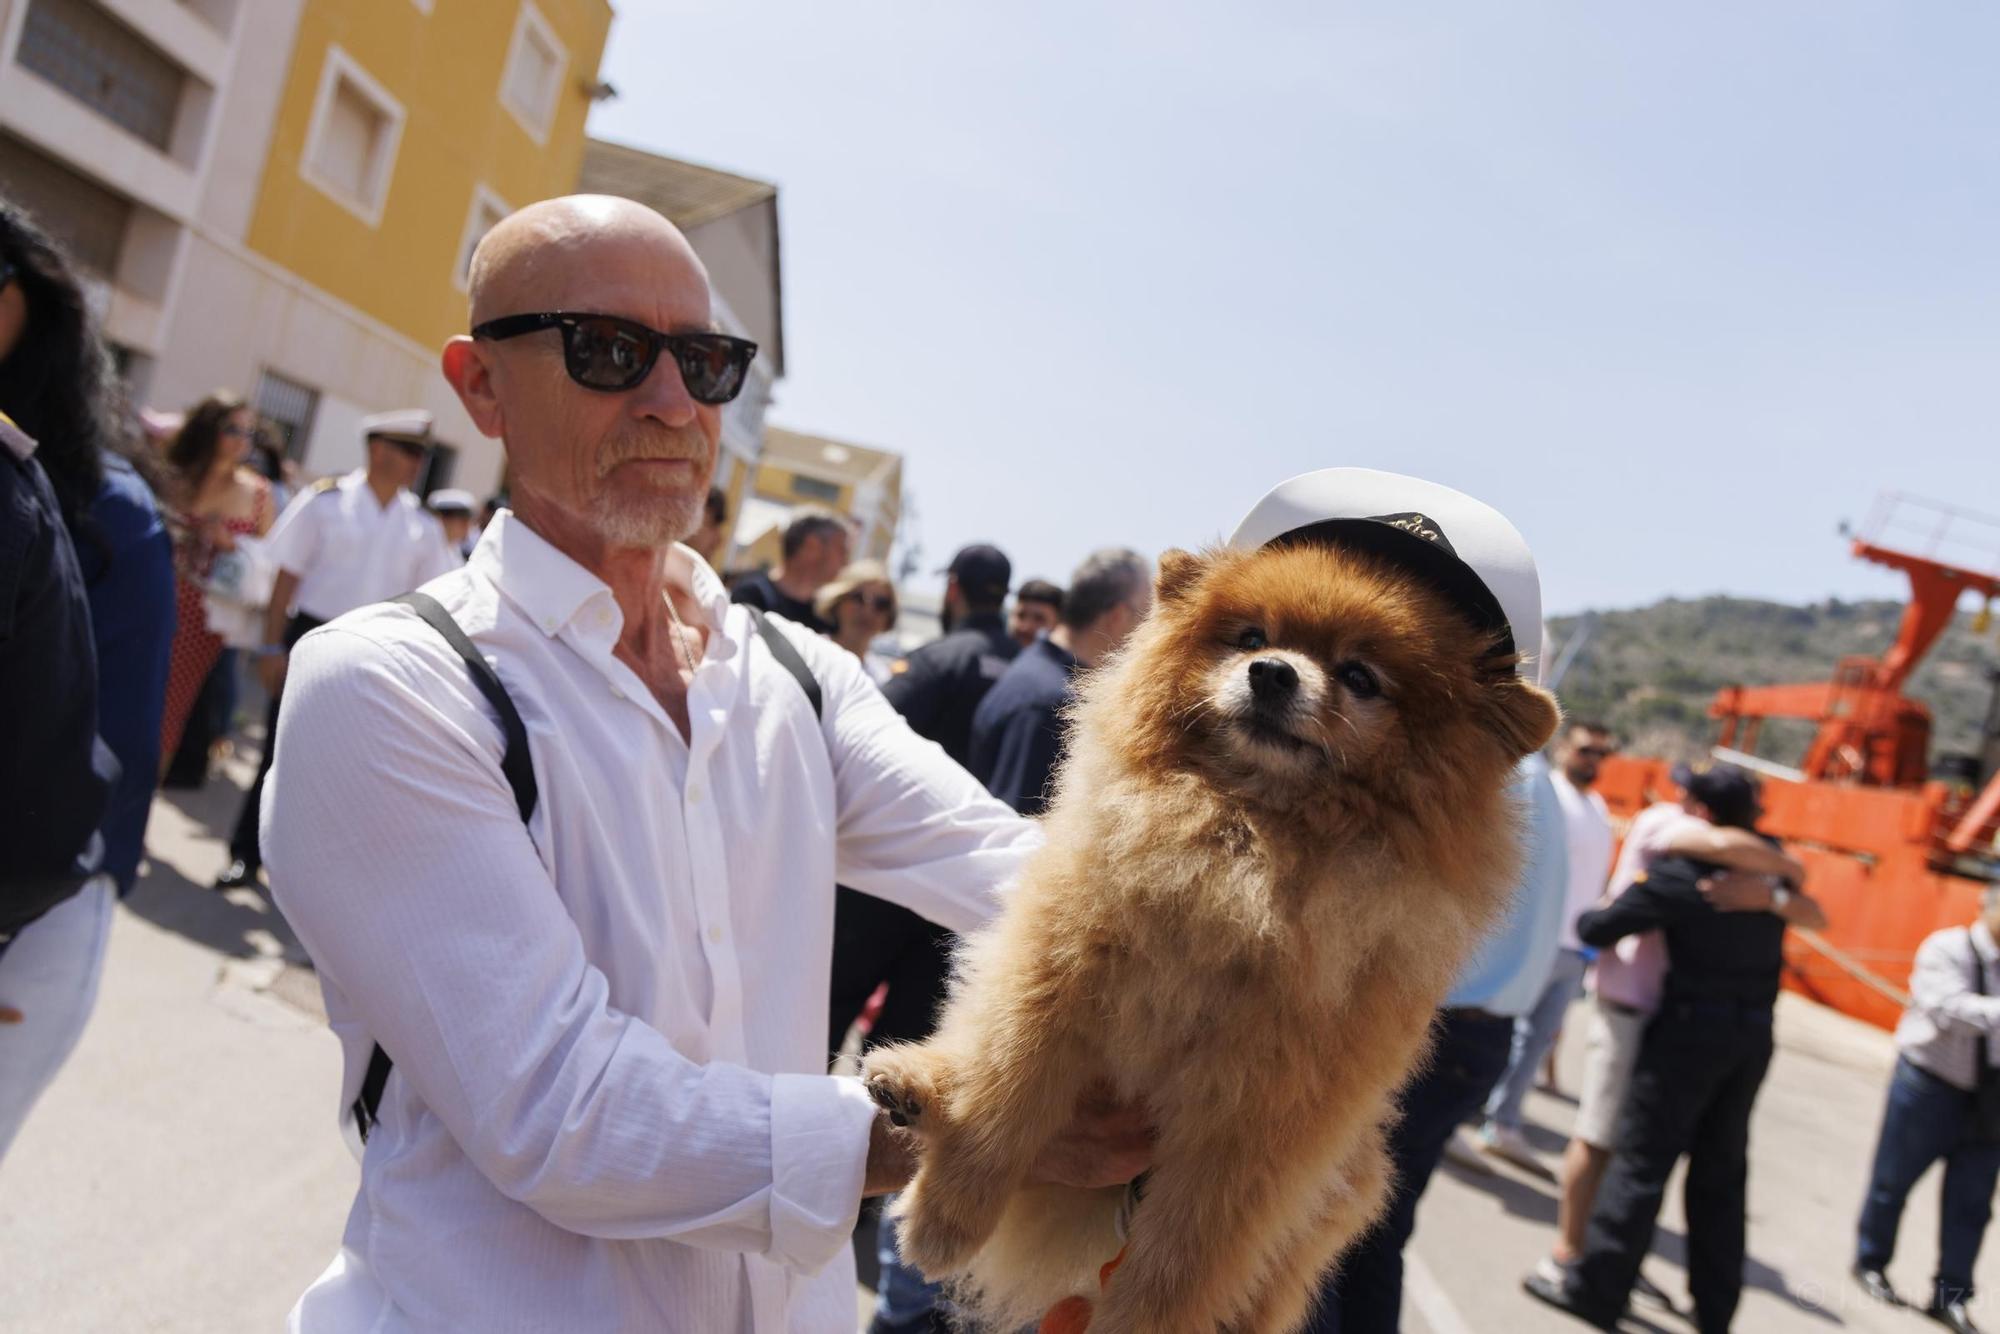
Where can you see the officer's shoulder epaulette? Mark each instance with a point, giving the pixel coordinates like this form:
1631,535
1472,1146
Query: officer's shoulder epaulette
324,485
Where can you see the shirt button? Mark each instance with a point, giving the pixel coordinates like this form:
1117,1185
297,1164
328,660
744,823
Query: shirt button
695,793
715,935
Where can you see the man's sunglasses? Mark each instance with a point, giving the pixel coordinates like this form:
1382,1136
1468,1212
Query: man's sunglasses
610,354
1597,752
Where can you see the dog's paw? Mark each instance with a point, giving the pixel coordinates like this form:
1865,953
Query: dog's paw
939,1231
903,1083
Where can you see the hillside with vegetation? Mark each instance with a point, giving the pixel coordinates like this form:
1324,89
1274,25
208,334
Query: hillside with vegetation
1651,672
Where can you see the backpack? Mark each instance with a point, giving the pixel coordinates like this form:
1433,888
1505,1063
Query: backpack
519,769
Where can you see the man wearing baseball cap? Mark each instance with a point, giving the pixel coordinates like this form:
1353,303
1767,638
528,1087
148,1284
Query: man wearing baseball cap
937,687
342,543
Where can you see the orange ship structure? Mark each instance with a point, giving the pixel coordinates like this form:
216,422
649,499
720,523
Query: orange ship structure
1891,852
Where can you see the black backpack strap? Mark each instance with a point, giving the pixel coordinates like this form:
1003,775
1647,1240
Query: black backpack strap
515,762
789,659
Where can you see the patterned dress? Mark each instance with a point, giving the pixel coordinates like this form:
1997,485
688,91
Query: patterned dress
196,647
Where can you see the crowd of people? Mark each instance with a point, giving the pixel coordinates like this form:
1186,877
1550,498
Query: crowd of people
585,1005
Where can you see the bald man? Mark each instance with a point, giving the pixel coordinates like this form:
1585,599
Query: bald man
585,1046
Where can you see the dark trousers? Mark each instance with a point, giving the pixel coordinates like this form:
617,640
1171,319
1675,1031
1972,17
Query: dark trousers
1691,1093
243,844
875,941
1928,1119
1365,1296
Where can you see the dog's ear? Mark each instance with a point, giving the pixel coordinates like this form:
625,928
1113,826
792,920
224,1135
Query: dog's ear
1521,715
1179,572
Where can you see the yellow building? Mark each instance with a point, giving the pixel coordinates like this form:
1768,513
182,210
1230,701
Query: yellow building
865,485
280,196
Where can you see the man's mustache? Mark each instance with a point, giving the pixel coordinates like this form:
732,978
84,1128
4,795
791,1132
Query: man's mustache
679,443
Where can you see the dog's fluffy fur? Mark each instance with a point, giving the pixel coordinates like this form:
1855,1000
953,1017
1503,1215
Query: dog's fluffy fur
1252,900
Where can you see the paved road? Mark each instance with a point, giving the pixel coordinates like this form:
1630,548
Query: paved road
183,1174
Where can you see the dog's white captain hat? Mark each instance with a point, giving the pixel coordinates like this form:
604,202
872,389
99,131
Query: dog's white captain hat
1464,546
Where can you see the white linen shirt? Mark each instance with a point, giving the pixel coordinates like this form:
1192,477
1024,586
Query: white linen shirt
349,549
1946,1015
608,1109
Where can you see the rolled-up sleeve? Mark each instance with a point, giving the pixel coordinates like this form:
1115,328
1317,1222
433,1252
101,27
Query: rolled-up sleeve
398,855
914,827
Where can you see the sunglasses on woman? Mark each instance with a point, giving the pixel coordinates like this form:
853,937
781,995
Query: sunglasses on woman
610,354
881,604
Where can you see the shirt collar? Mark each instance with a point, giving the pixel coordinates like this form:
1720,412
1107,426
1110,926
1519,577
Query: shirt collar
550,588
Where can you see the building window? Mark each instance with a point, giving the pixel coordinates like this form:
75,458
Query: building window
351,144
88,219
533,78
487,210
290,407
813,488
105,65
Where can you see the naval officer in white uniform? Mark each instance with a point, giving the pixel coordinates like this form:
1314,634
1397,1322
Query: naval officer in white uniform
342,543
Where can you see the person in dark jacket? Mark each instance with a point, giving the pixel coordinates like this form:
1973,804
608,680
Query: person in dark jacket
1699,1070
86,613
938,687
1017,732
815,548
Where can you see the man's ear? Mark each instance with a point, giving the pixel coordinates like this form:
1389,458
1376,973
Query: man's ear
1179,572
1522,716
466,371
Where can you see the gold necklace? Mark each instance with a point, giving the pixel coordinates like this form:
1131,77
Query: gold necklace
680,629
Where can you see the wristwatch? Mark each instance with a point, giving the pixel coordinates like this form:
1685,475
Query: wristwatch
1781,894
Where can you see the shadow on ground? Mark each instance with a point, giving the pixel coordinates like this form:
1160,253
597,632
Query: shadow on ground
1526,1196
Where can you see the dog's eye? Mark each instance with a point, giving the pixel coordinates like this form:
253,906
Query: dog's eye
1251,639
1360,682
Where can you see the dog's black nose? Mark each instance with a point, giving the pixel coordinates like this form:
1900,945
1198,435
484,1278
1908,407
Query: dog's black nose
1272,679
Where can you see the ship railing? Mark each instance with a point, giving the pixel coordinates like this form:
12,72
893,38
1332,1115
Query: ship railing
1935,530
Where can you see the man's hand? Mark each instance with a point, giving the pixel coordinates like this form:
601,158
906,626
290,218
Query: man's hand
892,1157
1105,1144
1738,891
271,671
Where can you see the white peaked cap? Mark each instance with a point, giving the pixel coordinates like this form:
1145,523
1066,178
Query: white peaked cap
404,424
1463,546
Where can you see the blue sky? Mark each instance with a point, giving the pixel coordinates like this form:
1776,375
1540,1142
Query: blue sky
1676,287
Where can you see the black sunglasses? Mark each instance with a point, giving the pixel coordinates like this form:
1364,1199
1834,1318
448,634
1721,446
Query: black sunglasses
610,354
416,449
881,603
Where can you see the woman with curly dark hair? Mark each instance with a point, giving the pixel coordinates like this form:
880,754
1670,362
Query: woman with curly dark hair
213,497
55,384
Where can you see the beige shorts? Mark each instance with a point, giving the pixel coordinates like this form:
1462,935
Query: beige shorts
1610,1049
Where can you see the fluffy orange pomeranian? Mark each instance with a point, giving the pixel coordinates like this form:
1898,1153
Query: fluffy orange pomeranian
1282,827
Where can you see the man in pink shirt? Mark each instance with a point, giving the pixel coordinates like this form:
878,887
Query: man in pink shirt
1626,980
